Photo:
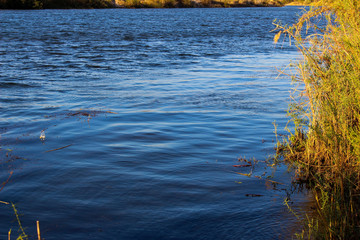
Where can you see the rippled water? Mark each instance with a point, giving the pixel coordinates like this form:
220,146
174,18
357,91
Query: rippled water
175,97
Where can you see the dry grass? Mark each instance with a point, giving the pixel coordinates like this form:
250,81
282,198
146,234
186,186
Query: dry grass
324,148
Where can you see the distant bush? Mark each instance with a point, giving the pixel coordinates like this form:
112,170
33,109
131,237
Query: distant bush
40,4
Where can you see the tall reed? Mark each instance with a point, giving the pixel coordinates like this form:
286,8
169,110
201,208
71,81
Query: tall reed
324,146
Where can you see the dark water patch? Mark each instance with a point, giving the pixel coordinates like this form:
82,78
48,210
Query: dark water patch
15,85
93,66
20,99
57,53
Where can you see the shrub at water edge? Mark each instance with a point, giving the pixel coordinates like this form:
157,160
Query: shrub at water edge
324,147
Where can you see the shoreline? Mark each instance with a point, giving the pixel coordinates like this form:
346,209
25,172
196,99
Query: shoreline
148,7
131,4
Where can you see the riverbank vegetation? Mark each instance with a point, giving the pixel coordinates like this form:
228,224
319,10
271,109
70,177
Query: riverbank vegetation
198,3
63,4
44,4
324,147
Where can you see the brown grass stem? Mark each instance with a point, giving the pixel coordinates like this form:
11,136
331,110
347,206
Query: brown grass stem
38,229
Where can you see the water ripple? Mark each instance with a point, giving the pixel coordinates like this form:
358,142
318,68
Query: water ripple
155,106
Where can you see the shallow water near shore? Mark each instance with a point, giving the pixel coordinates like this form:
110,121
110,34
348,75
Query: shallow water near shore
154,107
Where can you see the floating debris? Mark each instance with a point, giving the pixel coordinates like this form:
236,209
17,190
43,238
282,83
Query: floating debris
80,113
254,195
58,148
243,165
42,135
245,174
274,182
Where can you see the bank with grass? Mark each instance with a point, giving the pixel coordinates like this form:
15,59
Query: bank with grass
324,145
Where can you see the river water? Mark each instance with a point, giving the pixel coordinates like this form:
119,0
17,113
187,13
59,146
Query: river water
147,111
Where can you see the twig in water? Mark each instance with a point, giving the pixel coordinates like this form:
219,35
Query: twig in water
4,183
253,195
58,148
243,165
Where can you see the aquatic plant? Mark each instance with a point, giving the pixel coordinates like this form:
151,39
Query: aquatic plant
324,147
22,234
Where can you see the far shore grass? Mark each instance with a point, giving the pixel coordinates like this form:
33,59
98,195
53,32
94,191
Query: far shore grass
70,4
298,4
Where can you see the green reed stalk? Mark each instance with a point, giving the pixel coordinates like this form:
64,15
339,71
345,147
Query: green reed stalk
324,148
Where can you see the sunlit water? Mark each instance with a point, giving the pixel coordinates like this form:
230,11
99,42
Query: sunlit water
178,95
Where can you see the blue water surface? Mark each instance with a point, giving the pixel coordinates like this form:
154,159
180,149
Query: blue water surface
147,111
